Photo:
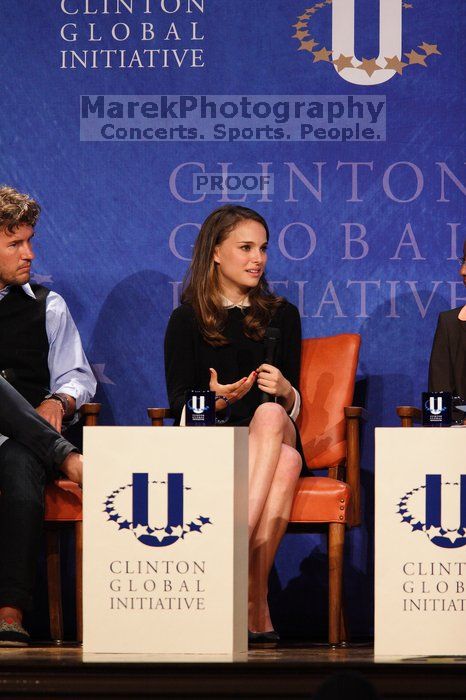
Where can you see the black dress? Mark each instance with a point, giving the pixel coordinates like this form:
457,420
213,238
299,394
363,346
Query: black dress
447,369
188,358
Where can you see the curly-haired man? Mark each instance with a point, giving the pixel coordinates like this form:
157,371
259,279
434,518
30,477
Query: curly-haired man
42,358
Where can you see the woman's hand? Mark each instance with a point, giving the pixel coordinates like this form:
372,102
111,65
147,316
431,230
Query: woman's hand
233,392
272,381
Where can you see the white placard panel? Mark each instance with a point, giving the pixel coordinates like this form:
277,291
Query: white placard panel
165,540
420,541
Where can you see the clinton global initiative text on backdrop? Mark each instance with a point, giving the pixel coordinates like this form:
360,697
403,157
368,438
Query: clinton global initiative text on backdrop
301,242
172,41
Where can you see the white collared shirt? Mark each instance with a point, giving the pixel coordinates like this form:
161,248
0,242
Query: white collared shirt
245,303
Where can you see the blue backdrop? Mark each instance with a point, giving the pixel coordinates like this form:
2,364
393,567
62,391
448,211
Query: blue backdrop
108,238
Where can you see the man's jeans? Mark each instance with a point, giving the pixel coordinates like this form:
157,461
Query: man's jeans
30,458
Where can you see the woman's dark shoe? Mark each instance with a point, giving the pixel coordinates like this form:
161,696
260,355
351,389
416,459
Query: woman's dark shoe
271,637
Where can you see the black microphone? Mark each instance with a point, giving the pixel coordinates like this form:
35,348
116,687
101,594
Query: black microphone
272,337
8,374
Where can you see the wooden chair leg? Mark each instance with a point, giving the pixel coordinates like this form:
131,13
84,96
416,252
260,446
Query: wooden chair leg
78,531
343,625
52,543
336,540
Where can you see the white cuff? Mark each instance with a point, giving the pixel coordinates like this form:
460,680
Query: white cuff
183,417
295,409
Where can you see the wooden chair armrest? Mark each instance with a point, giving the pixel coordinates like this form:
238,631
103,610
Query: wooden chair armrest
90,413
409,415
353,415
157,415
356,412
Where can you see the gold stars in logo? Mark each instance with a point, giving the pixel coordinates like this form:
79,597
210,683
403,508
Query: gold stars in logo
307,42
394,63
300,34
369,65
321,55
415,57
307,45
429,49
343,62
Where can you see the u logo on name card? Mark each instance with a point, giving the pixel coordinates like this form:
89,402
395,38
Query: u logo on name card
200,408
436,408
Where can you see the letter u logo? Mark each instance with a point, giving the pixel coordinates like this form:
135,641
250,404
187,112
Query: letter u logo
435,405
390,33
174,508
198,404
437,531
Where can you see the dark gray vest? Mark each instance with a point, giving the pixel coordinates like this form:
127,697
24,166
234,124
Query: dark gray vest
24,345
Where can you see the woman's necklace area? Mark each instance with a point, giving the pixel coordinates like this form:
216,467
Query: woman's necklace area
241,304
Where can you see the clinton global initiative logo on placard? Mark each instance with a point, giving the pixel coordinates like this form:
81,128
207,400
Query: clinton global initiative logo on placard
197,404
437,509
369,70
435,405
138,508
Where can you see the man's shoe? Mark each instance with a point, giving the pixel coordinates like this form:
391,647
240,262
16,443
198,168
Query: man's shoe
13,634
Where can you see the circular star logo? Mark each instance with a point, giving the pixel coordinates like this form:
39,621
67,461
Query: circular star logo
118,508
306,33
412,510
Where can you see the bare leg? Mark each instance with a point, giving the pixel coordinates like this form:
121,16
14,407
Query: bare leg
267,535
269,430
274,467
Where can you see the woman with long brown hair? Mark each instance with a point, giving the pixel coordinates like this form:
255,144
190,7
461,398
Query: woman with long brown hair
215,340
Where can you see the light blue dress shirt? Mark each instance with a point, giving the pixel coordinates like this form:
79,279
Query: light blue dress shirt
70,372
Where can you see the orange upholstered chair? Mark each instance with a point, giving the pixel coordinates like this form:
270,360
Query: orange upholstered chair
63,508
329,428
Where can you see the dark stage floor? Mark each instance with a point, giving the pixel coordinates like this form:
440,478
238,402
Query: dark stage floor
290,671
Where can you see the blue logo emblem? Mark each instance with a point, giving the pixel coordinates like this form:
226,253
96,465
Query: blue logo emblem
434,405
421,509
197,404
128,507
